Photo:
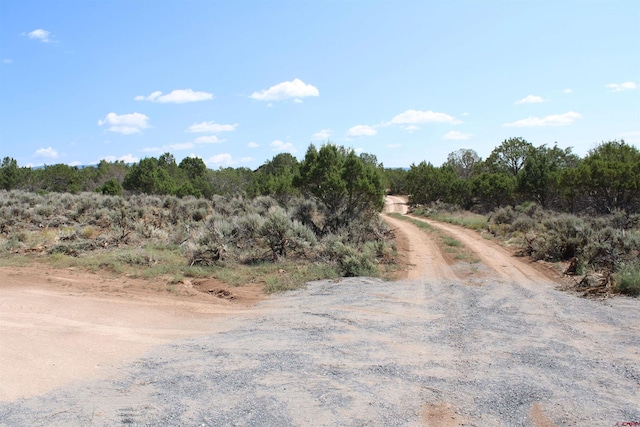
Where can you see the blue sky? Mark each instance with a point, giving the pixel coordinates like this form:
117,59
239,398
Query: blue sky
237,82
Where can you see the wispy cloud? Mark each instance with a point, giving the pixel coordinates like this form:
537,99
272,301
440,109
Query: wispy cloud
125,124
220,159
415,117
210,127
7,61
278,145
618,87
294,89
178,96
322,135
553,120
530,99
455,135
253,145
41,35
567,90
362,130
47,153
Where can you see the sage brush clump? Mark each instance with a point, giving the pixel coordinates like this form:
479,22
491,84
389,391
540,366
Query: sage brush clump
222,231
607,244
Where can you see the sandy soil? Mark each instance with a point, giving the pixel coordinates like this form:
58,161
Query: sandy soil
62,325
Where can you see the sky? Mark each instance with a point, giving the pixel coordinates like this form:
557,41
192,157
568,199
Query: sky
237,82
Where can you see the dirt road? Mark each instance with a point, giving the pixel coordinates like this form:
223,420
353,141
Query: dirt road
436,349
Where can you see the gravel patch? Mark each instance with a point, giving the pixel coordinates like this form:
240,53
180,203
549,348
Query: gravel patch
366,352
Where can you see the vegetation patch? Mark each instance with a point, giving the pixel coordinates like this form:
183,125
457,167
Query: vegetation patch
294,223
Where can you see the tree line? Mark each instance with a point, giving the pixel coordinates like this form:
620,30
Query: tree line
607,179
348,186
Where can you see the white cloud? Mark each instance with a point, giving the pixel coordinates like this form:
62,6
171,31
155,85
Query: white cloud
359,150
220,159
322,135
76,163
48,153
169,147
361,130
278,145
454,134
127,158
285,90
567,90
298,101
414,117
125,124
530,99
554,120
465,114
210,127
615,87
411,128
43,35
210,139
253,145
178,96
394,145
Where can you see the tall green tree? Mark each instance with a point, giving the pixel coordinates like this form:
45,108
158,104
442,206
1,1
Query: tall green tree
464,162
60,178
427,183
149,177
509,157
396,180
612,173
347,186
193,178
493,190
276,177
539,179
10,174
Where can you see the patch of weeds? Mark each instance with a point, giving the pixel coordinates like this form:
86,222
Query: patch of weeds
296,275
420,224
198,272
450,241
15,260
177,278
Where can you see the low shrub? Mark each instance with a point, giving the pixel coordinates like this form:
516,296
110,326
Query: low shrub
626,280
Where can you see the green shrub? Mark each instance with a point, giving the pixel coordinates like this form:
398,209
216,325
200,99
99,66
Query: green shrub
627,279
111,187
504,215
276,232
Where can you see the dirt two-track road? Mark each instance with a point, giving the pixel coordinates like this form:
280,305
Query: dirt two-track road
489,344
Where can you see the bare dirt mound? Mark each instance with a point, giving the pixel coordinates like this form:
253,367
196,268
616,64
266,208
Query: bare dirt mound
61,325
